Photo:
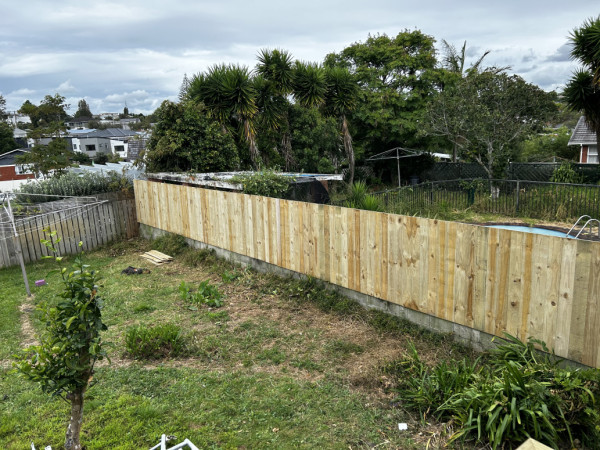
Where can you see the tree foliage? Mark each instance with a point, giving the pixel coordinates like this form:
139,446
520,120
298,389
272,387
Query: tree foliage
582,92
45,159
63,363
486,115
185,139
396,75
83,109
47,118
549,145
7,141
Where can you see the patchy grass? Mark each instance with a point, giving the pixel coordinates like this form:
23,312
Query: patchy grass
283,364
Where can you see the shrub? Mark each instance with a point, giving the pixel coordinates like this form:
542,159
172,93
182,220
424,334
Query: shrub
161,341
521,393
566,173
170,244
206,294
265,182
360,199
72,184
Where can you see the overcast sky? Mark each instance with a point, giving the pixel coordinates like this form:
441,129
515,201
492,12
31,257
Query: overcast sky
136,52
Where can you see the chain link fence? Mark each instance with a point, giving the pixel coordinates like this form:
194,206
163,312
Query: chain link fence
444,171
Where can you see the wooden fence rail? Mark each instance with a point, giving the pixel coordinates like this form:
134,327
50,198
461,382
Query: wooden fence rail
489,279
93,225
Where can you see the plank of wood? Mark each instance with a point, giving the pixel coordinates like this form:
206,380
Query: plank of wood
565,298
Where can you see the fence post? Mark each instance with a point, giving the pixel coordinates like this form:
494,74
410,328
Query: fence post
517,206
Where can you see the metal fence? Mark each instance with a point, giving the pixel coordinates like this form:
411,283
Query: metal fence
507,197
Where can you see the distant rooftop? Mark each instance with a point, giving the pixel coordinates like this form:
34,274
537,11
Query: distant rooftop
582,134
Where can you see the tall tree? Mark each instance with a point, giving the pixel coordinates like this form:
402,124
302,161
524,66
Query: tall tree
184,139
53,158
47,118
83,109
273,85
229,94
397,75
7,141
582,92
2,108
340,100
454,61
487,114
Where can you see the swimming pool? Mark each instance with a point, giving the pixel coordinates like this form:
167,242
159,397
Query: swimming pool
535,230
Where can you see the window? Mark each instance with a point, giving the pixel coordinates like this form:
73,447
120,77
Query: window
90,148
119,148
74,146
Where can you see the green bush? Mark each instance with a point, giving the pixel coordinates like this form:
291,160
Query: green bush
360,199
170,244
267,183
518,393
566,173
161,341
206,294
72,184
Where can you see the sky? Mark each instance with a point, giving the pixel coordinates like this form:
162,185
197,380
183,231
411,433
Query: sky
137,52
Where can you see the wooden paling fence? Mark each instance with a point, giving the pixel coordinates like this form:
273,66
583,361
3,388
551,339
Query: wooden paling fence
93,225
489,279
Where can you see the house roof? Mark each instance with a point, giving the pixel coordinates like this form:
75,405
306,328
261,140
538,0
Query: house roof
108,133
582,135
8,158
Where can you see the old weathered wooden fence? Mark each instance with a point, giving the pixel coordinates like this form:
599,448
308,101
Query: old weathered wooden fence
93,225
489,279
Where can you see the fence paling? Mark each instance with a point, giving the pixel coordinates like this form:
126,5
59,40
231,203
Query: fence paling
488,279
92,226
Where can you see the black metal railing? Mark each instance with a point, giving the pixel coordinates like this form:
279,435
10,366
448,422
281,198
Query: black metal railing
517,198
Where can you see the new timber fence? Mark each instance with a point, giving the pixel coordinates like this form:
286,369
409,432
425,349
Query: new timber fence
488,279
94,225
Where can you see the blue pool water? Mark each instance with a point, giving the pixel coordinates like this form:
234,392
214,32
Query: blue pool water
533,230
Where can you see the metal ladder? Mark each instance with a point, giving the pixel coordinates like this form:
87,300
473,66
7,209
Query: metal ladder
589,223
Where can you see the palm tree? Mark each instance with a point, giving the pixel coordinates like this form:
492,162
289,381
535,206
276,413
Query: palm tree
454,61
586,45
273,84
341,98
582,92
229,95
310,84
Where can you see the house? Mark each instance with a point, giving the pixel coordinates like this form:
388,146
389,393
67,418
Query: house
9,170
110,141
79,122
586,139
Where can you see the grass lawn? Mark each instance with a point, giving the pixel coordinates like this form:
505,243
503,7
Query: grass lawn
283,364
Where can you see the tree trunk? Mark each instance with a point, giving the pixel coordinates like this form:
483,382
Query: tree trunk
288,156
348,147
74,428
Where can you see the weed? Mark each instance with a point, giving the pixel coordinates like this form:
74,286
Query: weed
161,341
218,316
170,244
229,277
206,294
193,258
144,307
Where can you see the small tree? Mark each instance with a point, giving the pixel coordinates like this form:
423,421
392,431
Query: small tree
64,361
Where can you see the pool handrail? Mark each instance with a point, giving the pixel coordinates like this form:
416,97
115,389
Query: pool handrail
576,223
591,229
